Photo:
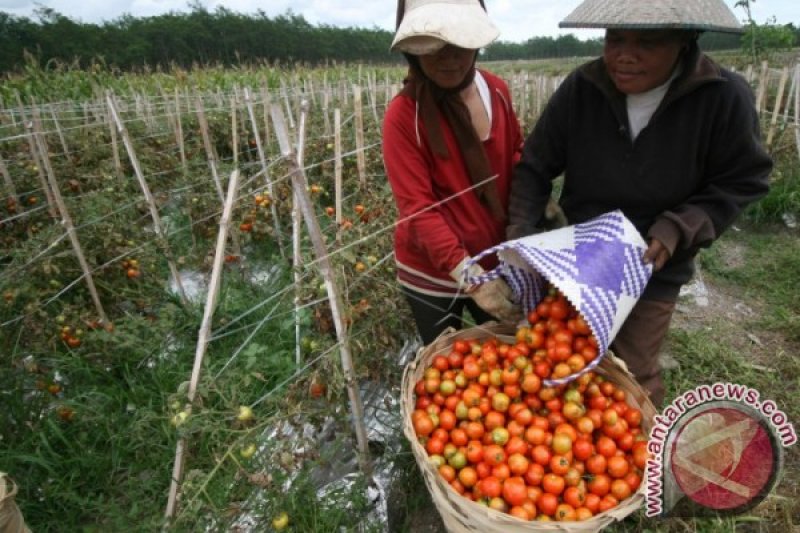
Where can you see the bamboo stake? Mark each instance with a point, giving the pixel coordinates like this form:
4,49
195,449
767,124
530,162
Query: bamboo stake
361,163
373,97
202,339
21,106
179,131
789,97
301,197
211,155
139,105
797,108
114,144
311,91
762,87
29,136
337,164
148,113
66,219
157,225
12,191
524,104
266,100
262,158
297,222
776,109
234,132
286,104
58,129
326,97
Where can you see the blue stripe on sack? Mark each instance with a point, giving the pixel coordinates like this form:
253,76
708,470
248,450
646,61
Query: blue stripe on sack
528,287
554,264
599,309
606,227
636,272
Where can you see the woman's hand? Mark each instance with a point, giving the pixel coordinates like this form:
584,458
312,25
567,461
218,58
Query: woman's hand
495,297
657,254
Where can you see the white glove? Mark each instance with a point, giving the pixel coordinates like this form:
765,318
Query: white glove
494,297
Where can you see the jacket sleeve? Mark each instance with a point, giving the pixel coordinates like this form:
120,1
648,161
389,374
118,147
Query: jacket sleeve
543,159
737,172
412,185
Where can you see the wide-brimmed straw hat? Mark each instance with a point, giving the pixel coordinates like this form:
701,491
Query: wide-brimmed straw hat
425,26
699,15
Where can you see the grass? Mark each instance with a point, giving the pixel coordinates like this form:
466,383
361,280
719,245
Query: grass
716,348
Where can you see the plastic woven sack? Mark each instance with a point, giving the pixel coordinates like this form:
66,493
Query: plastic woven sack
596,264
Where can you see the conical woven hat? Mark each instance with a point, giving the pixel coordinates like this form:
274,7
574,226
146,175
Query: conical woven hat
705,15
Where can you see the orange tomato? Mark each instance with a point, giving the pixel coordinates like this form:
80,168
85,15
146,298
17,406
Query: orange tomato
468,476
600,484
617,466
547,504
518,464
553,484
534,475
514,491
491,487
620,489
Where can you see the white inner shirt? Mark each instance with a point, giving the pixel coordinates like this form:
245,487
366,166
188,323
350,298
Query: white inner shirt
483,90
641,106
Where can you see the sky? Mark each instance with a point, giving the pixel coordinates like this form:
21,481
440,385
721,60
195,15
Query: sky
518,20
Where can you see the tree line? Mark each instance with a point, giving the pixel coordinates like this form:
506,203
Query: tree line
222,36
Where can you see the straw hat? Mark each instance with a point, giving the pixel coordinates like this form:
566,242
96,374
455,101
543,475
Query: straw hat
702,15
426,26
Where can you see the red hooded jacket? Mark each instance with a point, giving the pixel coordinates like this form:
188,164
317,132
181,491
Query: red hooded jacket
439,223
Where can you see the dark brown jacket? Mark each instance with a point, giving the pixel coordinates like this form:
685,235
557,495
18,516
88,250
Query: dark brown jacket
684,180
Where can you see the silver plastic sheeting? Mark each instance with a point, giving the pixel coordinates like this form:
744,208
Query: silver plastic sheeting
293,442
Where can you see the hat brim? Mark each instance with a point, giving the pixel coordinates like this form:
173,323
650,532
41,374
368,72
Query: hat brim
698,15
430,27
650,26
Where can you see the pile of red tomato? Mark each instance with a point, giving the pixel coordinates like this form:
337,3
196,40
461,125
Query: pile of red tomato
500,437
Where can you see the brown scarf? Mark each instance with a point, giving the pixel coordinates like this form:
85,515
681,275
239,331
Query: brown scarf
432,99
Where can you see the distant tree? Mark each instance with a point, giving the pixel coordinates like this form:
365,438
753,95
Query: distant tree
760,41
199,36
765,39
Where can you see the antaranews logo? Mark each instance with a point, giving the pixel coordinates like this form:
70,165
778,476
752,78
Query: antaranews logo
716,449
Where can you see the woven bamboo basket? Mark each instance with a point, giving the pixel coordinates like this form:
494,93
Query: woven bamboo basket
460,514
11,520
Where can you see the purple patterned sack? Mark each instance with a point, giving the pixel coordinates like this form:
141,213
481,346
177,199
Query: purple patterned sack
597,265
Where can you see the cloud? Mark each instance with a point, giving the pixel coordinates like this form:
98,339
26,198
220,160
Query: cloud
518,20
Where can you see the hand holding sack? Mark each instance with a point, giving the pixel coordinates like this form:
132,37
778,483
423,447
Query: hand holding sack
493,296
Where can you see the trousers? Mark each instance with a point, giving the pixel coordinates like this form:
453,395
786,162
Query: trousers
434,314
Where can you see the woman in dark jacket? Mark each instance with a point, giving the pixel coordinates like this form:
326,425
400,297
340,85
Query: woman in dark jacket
654,128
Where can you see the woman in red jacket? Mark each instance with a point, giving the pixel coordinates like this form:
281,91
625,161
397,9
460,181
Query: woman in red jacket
450,140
